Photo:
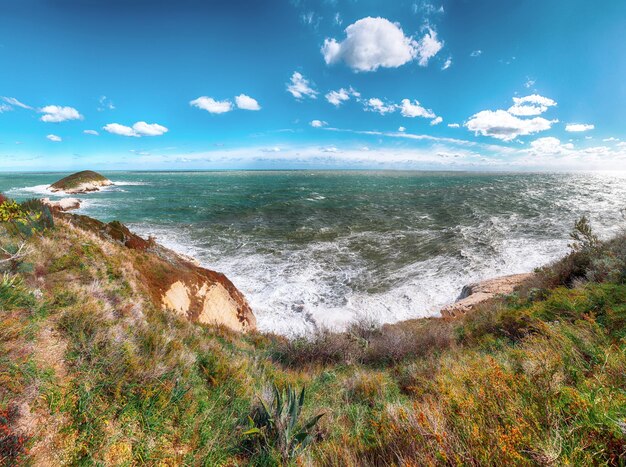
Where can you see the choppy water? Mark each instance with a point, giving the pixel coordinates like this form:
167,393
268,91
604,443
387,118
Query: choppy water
310,248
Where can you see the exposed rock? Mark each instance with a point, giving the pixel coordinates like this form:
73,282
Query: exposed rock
479,292
174,282
65,204
81,182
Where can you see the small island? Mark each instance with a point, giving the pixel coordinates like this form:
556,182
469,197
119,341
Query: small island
81,182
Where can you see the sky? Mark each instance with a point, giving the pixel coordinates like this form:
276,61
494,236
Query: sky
327,84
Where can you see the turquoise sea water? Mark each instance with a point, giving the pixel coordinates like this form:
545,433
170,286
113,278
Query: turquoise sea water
324,248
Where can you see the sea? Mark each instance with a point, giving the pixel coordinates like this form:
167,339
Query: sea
322,249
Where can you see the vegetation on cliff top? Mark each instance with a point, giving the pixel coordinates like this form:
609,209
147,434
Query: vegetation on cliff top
79,178
92,372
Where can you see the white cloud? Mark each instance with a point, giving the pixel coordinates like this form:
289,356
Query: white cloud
14,102
57,113
447,64
401,129
502,125
105,104
578,127
529,83
211,105
149,129
137,130
549,145
246,102
342,95
299,87
317,123
332,149
476,53
530,105
454,125
436,121
55,138
91,132
118,129
371,43
607,140
428,47
414,109
377,105
5,107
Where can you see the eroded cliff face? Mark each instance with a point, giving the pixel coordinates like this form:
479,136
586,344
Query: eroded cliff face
173,281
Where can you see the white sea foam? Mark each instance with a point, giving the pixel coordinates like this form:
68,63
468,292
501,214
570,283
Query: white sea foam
39,190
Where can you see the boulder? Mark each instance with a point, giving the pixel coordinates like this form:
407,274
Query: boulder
65,204
479,292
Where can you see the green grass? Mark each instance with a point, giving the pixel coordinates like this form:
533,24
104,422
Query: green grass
77,179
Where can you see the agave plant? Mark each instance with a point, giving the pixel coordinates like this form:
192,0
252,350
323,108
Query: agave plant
277,425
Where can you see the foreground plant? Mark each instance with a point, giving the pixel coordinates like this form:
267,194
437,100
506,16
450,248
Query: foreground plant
277,427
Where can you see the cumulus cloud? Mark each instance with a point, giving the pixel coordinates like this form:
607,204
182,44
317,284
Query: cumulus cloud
428,47
342,95
12,101
91,132
299,87
54,138
371,43
502,125
318,123
149,129
401,129
57,113
436,121
454,125
377,105
447,64
137,130
530,105
414,109
578,127
246,102
211,105
549,145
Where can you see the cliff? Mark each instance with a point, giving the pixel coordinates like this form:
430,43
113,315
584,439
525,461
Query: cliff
172,281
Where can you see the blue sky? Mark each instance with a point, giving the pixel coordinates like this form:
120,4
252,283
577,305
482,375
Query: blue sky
424,84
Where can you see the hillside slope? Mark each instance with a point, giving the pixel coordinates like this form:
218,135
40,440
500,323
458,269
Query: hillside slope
92,370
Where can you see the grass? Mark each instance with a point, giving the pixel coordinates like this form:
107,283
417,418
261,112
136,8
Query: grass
77,179
538,378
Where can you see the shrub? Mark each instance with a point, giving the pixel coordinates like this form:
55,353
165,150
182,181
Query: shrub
278,426
12,443
323,347
414,338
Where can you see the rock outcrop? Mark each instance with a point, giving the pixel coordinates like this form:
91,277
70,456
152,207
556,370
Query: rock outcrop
81,182
174,282
64,204
479,292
